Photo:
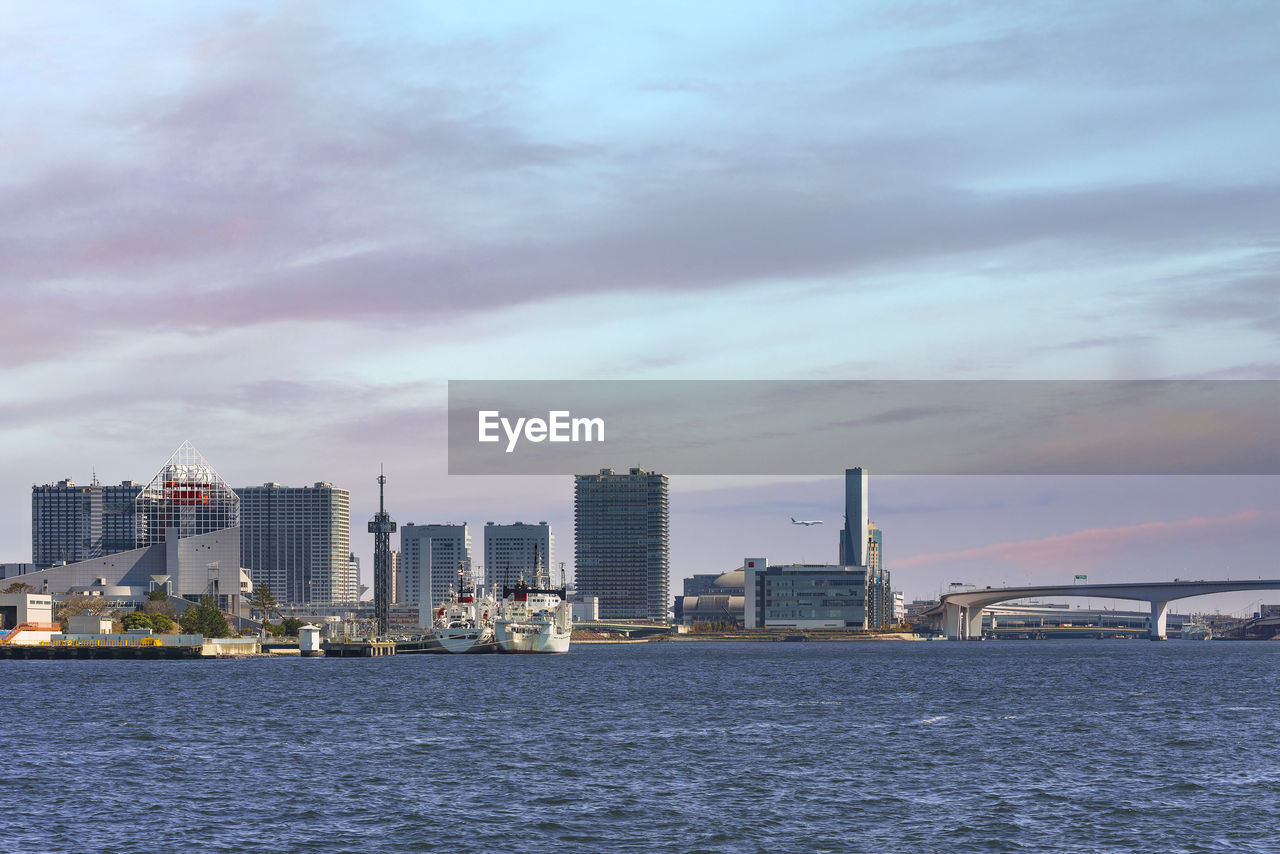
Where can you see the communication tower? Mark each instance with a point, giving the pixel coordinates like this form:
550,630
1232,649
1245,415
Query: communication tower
382,527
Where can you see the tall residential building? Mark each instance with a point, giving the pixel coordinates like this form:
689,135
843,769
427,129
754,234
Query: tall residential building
395,575
72,523
513,551
346,589
620,542
874,543
882,603
297,541
430,557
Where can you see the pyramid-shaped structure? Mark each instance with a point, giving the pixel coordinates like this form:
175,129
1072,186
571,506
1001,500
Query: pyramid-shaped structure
188,495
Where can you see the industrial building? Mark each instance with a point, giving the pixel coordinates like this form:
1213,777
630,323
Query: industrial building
621,542
430,557
297,541
515,551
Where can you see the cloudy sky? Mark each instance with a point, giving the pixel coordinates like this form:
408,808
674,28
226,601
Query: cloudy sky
278,229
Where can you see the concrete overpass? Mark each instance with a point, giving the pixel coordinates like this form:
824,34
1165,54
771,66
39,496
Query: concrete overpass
961,612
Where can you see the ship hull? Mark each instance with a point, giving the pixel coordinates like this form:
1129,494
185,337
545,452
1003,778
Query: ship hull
530,638
421,646
462,641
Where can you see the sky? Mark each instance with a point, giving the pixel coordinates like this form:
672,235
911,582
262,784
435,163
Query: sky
279,229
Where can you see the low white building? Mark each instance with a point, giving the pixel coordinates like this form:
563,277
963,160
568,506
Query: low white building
26,618
585,608
89,624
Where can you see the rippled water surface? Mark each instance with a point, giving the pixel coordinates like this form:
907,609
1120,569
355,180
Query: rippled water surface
876,747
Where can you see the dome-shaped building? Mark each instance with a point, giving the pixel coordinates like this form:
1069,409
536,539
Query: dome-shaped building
719,599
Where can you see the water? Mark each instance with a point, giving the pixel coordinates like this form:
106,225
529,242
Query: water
997,746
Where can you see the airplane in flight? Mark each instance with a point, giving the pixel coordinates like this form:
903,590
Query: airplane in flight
805,522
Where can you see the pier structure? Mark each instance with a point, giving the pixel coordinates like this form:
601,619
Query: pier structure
961,612
359,648
382,527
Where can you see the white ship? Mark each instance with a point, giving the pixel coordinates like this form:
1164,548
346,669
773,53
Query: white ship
464,623
534,619
1196,631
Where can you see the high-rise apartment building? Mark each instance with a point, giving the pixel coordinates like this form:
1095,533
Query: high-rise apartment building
430,557
395,574
874,543
71,523
621,542
297,541
515,551
346,587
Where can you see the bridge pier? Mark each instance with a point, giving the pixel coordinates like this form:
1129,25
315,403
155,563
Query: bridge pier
951,621
1159,619
973,626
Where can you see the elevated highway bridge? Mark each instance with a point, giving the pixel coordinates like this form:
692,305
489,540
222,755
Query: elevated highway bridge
960,613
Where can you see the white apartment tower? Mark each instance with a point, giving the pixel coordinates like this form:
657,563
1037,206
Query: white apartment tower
513,551
430,557
297,541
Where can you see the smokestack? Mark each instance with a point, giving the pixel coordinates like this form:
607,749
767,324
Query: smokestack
853,537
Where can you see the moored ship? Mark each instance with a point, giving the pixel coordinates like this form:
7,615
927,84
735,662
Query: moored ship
534,619
465,622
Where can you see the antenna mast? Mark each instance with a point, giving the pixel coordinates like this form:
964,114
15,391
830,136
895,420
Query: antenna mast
381,526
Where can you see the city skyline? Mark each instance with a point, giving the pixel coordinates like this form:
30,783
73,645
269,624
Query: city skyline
279,230
1051,536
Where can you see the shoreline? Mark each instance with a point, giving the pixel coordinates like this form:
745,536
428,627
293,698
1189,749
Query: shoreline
762,638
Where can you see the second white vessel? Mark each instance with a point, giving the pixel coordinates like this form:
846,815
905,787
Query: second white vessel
534,619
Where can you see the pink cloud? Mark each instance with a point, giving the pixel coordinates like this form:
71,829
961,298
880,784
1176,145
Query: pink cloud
1090,543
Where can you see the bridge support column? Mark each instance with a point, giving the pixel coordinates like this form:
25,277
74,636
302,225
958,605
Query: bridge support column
1159,618
973,625
951,621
